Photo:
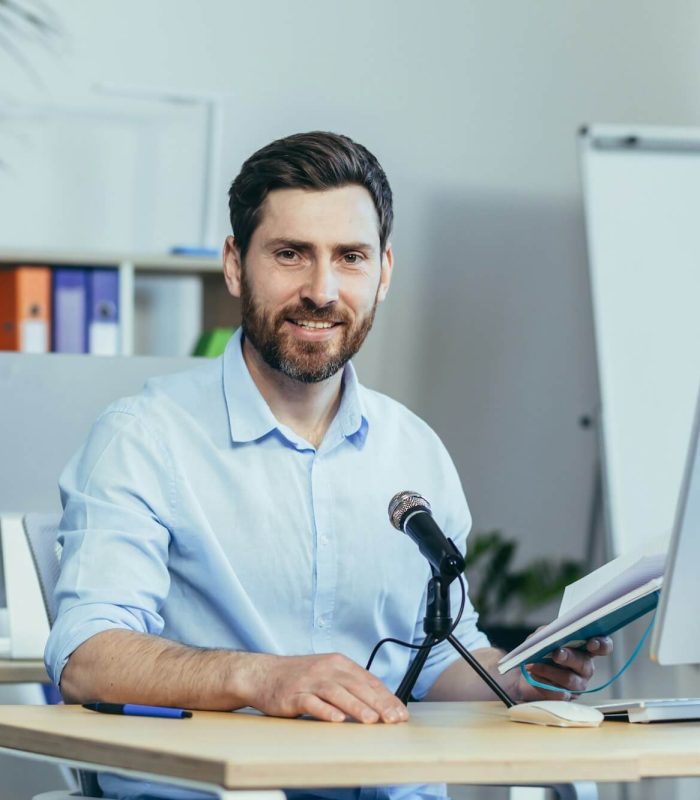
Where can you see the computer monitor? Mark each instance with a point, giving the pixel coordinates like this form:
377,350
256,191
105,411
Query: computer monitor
676,635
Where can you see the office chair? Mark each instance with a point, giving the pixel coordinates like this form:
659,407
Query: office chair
41,531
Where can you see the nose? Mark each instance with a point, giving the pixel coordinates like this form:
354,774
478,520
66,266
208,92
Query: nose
321,286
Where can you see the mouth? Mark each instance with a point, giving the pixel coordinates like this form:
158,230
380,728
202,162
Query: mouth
313,325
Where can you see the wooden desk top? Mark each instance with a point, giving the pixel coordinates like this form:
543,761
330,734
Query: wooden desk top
452,742
13,671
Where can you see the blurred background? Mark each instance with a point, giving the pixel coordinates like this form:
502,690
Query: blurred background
473,109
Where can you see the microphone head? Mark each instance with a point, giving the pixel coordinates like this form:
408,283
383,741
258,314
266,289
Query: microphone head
404,502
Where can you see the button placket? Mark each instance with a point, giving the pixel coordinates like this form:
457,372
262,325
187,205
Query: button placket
325,556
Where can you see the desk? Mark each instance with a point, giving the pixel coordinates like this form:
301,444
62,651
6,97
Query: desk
15,671
471,743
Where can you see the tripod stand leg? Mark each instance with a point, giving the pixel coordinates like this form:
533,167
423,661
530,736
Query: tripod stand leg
481,672
412,673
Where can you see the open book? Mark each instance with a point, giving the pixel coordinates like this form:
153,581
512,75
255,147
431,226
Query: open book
598,604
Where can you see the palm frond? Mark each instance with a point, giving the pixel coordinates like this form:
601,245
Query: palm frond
25,23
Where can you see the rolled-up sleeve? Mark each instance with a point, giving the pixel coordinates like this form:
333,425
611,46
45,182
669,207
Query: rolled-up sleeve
118,495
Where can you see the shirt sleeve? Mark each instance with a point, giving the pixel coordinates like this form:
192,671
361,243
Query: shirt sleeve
118,499
456,524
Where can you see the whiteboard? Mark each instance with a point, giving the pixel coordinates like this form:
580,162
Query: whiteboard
641,190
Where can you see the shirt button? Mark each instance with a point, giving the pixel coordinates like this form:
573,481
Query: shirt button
322,622
324,540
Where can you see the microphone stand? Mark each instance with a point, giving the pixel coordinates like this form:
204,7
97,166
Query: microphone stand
437,624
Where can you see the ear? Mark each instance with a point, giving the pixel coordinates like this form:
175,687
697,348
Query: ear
385,277
232,266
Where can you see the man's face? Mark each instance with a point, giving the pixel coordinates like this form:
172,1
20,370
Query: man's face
312,278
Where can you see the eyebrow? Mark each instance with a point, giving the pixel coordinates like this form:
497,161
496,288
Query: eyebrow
297,244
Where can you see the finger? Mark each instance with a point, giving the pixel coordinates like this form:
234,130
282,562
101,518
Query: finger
544,677
365,680
387,705
577,661
381,702
341,698
600,646
549,673
371,691
313,705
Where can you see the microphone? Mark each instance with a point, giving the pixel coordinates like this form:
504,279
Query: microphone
410,512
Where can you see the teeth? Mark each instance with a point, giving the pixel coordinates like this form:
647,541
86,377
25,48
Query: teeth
303,323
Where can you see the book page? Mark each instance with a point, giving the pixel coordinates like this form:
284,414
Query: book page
639,565
604,620
618,588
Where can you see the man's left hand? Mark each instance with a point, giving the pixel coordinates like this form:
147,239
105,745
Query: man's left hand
572,670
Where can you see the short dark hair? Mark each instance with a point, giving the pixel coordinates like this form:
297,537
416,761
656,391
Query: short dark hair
315,160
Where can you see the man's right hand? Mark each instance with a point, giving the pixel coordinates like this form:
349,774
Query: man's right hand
329,687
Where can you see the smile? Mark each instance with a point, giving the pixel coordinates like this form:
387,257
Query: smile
304,323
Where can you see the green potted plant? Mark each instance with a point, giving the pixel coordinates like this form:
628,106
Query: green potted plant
505,597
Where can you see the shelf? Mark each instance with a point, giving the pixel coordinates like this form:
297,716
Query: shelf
141,262
215,307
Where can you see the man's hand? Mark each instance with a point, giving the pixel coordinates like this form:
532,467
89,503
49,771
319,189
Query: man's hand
329,687
119,666
572,670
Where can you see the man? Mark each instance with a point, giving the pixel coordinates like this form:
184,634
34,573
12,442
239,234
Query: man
225,534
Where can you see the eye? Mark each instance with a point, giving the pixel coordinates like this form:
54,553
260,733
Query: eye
353,258
287,254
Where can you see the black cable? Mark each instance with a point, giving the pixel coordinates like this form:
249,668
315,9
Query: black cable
423,646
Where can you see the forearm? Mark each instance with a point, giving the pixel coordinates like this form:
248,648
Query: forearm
124,666
460,682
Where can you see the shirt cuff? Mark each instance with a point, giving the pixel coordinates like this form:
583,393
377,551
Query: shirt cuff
73,627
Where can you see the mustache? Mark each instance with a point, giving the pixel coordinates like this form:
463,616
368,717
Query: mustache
308,312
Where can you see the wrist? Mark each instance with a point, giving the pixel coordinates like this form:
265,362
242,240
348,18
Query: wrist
514,684
246,677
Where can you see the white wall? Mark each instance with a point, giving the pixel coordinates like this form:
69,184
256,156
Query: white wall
472,107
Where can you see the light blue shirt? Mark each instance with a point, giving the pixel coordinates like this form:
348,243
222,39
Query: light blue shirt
192,513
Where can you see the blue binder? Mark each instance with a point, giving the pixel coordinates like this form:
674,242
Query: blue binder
69,310
102,331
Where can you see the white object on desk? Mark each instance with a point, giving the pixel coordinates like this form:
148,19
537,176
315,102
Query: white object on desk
558,713
668,710
27,623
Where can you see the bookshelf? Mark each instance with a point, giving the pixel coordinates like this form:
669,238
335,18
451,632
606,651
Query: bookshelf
218,308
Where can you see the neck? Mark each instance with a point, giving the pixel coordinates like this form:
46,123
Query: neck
307,408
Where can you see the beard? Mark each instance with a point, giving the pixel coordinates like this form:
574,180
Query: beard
306,362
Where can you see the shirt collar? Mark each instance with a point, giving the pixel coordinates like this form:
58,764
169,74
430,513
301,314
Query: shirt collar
250,417
351,417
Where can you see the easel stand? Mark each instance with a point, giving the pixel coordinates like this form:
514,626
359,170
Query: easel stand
437,624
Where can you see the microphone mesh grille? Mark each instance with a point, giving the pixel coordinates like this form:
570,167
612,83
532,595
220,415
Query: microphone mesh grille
403,502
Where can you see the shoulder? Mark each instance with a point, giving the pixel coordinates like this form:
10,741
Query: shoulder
148,430
416,458
169,405
164,394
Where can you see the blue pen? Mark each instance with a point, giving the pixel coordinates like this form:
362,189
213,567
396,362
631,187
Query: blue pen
134,710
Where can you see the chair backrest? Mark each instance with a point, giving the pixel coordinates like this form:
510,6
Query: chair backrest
41,531
49,402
